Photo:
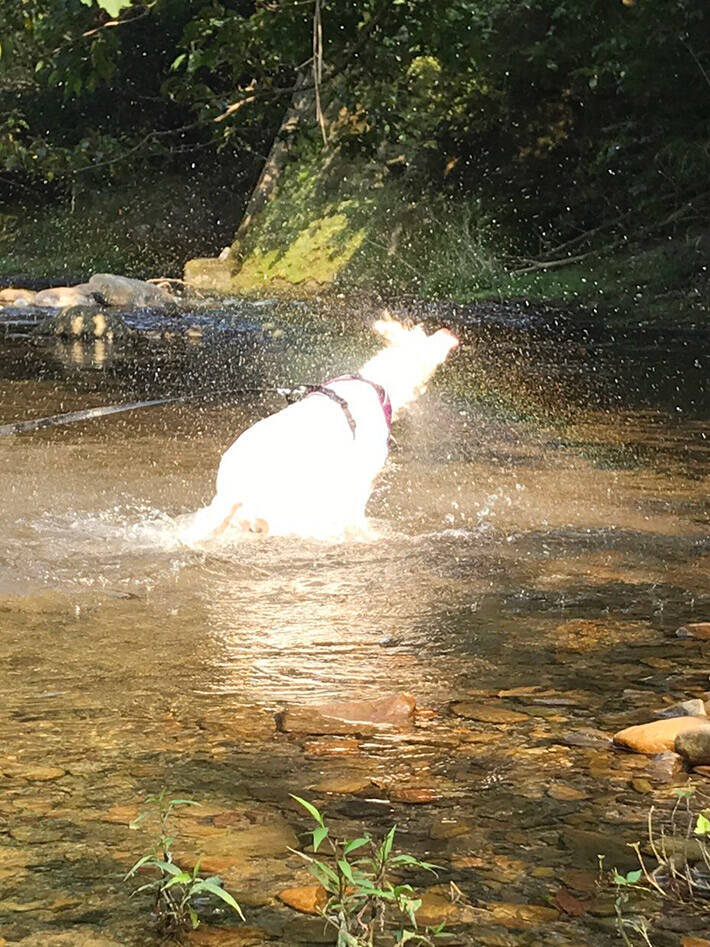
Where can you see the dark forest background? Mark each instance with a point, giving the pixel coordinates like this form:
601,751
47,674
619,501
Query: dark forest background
578,128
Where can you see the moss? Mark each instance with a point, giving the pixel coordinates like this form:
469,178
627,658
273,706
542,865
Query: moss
319,253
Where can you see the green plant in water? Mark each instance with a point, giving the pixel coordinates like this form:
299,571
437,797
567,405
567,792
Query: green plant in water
364,895
681,848
178,893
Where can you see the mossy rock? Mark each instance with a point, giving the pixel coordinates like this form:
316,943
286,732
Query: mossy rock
84,322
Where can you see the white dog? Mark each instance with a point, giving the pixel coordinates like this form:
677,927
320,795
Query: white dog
309,470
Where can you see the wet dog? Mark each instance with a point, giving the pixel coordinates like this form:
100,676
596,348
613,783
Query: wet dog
309,469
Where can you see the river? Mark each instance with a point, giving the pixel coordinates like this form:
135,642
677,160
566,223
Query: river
539,533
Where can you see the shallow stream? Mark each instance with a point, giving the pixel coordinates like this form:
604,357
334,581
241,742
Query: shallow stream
540,532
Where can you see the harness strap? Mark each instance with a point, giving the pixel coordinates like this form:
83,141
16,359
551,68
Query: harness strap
334,396
381,393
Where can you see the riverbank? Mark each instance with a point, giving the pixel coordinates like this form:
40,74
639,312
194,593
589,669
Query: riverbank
335,227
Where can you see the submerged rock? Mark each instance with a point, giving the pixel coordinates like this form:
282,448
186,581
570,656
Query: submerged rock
694,746
396,710
85,322
660,735
126,292
486,713
310,899
697,629
348,717
685,708
665,766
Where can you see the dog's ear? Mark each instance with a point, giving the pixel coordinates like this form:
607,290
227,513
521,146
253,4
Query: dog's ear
391,330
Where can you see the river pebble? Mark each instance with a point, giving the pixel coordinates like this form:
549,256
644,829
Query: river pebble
652,738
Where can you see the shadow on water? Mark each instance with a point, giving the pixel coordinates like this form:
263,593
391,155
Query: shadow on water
540,531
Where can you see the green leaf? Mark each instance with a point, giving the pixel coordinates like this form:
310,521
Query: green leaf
181,878
325,875
346,870
178,61
139,864
309,807
388,843
220,893
356,843
702,825
319,835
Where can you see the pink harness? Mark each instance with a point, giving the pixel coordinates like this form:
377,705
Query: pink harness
381,393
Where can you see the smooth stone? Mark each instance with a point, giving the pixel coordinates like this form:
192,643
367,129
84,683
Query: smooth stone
310,722
696,629
342,785
521,916
569,904
681,850
588,845
587,737
665,766
17,297
436,909
652,738
59,297
486,713
344,718
396,710
641,786
564,793
690,941
580,879
310,899
685,708
35,774
694,746
450,828
124,291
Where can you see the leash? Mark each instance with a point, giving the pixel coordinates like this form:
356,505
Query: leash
71,417
291,394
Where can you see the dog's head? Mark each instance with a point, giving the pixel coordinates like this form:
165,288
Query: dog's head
410,359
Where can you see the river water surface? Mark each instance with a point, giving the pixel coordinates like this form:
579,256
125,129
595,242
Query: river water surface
537,537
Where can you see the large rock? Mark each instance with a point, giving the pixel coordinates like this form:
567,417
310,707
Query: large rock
661,735
59,297
17,297
84,322
126,292
694,746
211,274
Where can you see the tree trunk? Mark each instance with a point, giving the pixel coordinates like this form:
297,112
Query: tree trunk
302,103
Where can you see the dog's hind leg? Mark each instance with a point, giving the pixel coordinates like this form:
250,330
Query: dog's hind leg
209,522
